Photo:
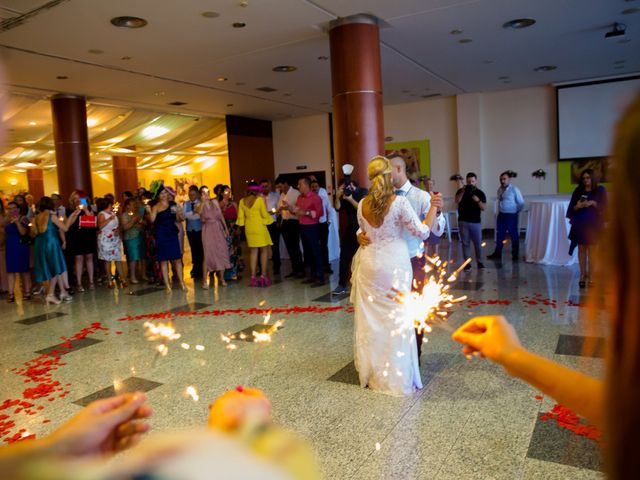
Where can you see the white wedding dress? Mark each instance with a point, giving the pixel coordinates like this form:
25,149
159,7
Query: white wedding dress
386,356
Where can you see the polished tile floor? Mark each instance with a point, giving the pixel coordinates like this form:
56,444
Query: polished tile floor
470,421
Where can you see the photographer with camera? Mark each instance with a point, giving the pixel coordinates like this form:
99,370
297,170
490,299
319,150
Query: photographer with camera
510,203
471,202
348,196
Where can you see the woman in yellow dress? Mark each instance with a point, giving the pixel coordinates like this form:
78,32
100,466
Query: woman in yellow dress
253,216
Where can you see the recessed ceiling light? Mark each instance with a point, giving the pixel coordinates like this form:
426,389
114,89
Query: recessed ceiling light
177,103
229,104
465,40
519,23
430,95
126,57
503,77
323,57
210,14
128,22
456,32
284,68
222,79
96,51
238,24
487,62
629,11
62,77
91,122
159,94
267,89
32,123
104,129
545,68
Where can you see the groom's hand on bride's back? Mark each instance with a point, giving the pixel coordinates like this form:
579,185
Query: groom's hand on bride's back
363,239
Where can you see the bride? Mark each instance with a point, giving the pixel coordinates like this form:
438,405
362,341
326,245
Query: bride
385,343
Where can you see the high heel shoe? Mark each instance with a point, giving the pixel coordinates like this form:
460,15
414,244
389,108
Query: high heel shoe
52,299
205,286
266,281
66,297
254,282
11,298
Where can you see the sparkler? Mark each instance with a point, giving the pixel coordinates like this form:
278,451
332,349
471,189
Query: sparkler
164,332
116,207
262,336
431,305
192,392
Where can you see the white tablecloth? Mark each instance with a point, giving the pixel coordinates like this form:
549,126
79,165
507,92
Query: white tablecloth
548,228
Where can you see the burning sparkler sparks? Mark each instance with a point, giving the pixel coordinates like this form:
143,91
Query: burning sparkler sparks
192,392
164,332
262,335
430,305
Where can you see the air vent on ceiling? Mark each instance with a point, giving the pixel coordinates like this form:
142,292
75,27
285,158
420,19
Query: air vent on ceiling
430,95
177,104
267,89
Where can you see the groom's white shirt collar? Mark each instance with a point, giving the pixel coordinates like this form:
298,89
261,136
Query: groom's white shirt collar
406,187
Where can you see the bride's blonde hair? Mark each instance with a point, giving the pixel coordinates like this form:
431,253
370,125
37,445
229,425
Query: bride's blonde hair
381,190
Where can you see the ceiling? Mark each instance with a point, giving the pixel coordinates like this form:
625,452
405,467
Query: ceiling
183,56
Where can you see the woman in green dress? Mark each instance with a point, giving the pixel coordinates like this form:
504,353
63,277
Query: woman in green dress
49,259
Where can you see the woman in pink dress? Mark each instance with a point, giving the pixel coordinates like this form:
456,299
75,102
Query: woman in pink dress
214,238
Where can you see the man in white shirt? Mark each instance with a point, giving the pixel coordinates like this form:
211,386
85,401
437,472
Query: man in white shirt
290,227
194,231
272,199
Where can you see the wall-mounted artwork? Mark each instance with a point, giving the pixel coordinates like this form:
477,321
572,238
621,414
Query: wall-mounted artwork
599,165
416,155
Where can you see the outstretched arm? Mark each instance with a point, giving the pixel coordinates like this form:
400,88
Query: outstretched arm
495,338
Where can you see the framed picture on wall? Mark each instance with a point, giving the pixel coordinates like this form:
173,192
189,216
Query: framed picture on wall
416,155
599,165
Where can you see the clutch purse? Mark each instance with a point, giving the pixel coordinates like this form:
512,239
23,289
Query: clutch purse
88,221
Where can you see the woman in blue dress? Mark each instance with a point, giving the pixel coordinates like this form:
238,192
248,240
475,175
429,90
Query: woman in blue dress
586,213
163,215
16,229
49,259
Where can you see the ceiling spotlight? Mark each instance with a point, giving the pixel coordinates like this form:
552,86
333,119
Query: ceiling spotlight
210,14
128,22
229,104
62,77
126,57
455,32
177,103
32,123
617,30
323,57
519,23
545,68
222,79
465,40
284,68
96,51
159,93
238,24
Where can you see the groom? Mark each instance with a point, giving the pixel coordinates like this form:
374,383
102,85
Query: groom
420,201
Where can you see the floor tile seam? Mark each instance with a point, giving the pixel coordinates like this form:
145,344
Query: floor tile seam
417,397
460,432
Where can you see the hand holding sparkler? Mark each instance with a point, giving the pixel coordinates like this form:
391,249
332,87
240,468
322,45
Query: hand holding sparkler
493,337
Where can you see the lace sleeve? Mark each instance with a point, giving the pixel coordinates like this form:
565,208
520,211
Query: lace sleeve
410,221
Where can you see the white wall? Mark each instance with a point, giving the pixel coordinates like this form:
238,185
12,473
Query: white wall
482,132
302,141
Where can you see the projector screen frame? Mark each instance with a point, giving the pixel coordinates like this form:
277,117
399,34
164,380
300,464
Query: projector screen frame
581,84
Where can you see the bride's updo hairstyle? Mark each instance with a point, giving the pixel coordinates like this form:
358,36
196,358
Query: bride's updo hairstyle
381,190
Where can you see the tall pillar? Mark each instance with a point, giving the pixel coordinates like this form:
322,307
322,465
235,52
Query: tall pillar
35,181
125,175
69,114
356,81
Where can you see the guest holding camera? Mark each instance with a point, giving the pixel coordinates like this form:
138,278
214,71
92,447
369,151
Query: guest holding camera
471,202
510,203
81,240
586,213
109,241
